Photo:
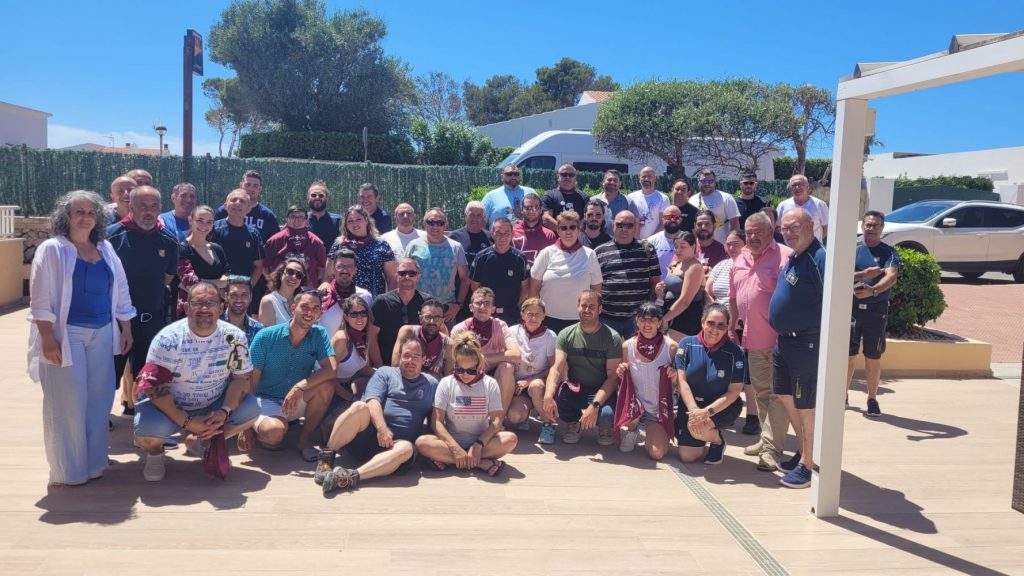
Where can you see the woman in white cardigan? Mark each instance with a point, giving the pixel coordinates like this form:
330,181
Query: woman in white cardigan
80,312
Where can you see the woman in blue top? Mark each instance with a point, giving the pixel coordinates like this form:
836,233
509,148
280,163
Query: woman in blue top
80,313
378,268
710,371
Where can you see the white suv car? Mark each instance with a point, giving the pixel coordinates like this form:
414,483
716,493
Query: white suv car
971,237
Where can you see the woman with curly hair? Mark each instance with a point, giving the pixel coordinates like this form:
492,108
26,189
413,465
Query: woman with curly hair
275,307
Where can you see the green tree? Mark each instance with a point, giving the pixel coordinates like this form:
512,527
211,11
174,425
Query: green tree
449,143
231,112
493,101
438,97
565,82
814,112
311,72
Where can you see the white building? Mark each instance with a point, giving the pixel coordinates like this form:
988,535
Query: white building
20,125
1001,165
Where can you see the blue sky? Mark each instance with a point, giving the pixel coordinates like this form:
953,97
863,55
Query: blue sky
111,68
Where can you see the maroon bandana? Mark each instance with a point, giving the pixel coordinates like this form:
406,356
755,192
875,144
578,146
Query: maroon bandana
571,249
648,347
700,338
355,243
129,223
483,330
335,295
358,338
539,332
432,349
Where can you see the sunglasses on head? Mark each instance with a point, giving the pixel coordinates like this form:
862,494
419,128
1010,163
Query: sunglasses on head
465,371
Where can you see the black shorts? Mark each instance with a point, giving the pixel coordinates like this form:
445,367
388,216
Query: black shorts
364,447
868,325
721,419
795,363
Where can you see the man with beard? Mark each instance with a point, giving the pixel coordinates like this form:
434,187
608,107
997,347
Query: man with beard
437,346
195,380
681,200
241,242
614,201
369,199
406,232
319,221
630,271
283,378
236,313
183,198
501,351
296,239
748,201
664,242
722,205
503,269
506,201
339,288
396,308
594,224
709,251
649,204
562,197
530,236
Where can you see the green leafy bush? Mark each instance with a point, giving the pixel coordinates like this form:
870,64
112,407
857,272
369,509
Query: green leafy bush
814,168
386,149
969,182
496,155
916,296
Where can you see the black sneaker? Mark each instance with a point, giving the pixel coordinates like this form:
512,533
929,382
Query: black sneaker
324,464
752,427
127,411
790,464
873,410
716,453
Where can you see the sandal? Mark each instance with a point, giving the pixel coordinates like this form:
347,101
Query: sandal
439,466
244,440
496,468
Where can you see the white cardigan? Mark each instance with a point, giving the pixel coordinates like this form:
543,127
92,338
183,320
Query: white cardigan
50,297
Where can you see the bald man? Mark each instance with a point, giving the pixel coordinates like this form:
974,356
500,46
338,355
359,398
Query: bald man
120,188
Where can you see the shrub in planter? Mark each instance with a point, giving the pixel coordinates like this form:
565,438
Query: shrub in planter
916,297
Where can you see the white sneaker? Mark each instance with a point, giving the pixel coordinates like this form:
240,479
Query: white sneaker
604,437
155,468
628,441
572,433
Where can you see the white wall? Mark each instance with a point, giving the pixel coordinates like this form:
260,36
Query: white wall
19,125
1002,165
518,130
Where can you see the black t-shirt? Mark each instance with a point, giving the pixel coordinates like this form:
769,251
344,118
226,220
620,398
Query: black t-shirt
325,227
145,258
748,207
205,270
503,273
593,243
242,245
472,242
390,314
555,201
689,213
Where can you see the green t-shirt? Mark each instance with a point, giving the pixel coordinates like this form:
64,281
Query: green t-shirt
588,354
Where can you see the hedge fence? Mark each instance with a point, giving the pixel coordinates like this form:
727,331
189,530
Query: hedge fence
33,179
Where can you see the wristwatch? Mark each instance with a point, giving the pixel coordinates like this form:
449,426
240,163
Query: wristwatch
227,411
711,411
596,405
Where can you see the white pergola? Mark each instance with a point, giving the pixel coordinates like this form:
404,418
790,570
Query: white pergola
968,57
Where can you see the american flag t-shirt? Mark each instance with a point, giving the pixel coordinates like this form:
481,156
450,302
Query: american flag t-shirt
470,406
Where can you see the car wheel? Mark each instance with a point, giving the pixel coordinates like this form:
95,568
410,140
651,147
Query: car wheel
1018,274
912,246
971,275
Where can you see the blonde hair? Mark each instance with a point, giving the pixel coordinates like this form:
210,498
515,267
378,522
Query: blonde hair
533,302
467,345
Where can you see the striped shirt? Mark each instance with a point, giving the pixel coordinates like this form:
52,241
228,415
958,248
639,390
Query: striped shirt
627,271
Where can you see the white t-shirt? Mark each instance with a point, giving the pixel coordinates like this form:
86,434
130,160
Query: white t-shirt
665,249
201,367
563,276
535,351
332,317
466,407
723,206
649,208
816,207
398,241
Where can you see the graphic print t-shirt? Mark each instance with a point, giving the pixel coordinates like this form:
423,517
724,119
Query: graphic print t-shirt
200,366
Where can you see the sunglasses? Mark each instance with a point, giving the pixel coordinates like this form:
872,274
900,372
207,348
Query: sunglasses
318,195
567,174
716,325
673,218
464,371
361,314
434,222
295,273
511,174
408,273
570,227
708,181
626,225
747,183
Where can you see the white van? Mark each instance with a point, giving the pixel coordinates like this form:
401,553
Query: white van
551,149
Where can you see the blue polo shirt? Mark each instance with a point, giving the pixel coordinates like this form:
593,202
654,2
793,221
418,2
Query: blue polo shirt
259,217
708,373
282,365
796,303
177,227
145,258
883,256
242,245
325,227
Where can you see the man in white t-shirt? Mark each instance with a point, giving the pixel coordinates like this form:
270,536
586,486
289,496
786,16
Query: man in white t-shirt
405,230
649,204
800,189
341,286
195,380
727,213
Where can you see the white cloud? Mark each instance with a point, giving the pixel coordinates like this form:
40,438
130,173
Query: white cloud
64,136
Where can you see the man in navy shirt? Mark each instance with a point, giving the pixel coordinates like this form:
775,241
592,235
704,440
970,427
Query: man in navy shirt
503,269
877,265
795,313
150,259
259,216
321,222
369,199
241,242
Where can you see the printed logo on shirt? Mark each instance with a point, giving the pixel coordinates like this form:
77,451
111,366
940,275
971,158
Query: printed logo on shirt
739,364
166,343
161,253
721,373
419,394
791,278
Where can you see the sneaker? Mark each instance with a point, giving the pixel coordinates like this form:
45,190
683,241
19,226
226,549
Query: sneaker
767,462
629,438
716,453
799,477
605,437
791,464
523,426
572,433
873,410
324,464
195,447
754,449
339,479
752,427
155,469
547,434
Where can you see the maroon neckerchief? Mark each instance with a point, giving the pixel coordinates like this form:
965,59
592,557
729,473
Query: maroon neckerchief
358,338
297,240
648,347
431,349
479,376
483,330
570,250
129,223
538,332
700,338
335,296
355,243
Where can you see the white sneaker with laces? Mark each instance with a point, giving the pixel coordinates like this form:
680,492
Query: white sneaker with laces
155,469
628,440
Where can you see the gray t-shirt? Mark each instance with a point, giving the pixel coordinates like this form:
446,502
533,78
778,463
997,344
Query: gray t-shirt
407,403
466,407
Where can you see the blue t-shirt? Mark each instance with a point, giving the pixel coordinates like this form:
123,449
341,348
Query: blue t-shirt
883,256
502,273
406,403
708,373
177,227
146,257
259,217
325,227
90,294
242,245
504,203
796,303
282,365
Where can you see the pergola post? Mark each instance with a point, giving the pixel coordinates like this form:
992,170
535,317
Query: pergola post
844,205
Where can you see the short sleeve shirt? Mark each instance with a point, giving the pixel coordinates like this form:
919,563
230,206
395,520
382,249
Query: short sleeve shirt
723,206
504,203
242,245
530,241
817,209
289,241
282,365
261,218
664,250
371,259
748,207
649,208
466,407
406,403
439,265
556,201
177,227
390,314
627,271
563,276
709,373
325,227
588,354
535,352
796,303
200,366
472,242
883,256
503,273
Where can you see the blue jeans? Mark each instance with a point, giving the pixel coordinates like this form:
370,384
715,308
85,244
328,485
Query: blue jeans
571,405
151,422
76,406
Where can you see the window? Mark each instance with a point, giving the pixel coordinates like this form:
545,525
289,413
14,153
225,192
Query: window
542,162
1005,218
970,217
600,167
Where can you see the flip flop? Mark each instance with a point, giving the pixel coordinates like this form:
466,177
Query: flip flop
439,466
496,468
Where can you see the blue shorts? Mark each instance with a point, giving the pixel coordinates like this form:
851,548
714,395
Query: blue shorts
795,365
151,422
868,325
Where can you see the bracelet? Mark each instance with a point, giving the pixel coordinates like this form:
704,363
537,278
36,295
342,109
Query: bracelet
188,420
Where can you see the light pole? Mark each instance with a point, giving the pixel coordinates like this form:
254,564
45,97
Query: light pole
160,130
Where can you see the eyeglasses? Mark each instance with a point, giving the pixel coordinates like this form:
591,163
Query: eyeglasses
483,303
747,183
295,273
792,228
510,174
708,181
716,325
465,371
408,273
626,225
360,314
569,227
296,216
207,304
434,222
567,174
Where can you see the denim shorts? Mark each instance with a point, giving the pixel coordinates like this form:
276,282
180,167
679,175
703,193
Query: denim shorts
151,422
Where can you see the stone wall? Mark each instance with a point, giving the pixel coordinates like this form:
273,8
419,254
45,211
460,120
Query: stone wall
35,230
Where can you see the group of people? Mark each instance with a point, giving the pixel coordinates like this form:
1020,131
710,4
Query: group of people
643,315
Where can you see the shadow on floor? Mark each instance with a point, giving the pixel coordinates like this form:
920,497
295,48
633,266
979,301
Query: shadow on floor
925,430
